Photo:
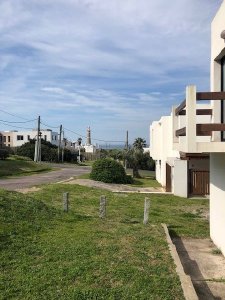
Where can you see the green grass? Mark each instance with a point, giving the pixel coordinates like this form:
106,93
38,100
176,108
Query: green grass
84,176
15,166
49,254
147,180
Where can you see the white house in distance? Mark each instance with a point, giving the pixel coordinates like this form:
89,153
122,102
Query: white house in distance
191,137
18,138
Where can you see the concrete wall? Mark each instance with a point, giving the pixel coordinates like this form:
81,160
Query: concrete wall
180,174
217,160
161,150
199,164
51,137
217,200
217,52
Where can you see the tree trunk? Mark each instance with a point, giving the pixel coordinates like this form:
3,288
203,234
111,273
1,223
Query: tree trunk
135,172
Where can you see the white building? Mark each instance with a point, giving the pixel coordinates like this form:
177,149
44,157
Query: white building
18,138
191,136
89,148
179,171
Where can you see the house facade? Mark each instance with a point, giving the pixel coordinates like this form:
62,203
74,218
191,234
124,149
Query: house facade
6,139
178,172
198,132
18,138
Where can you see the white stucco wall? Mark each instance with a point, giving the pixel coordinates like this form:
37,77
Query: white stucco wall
217,200
217,48
217,160
180,174
51,137
161,149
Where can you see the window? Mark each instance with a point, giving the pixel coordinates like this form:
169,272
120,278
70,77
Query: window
45,137
28,137
8,139
4,138
8,145
0,138
19,137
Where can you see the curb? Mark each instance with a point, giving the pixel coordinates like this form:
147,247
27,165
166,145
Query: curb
186,283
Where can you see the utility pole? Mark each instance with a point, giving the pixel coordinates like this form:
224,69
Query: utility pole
127,141
60,138
126,148
37,152
63,146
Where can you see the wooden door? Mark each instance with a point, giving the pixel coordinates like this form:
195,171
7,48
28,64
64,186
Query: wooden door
198,182
168,178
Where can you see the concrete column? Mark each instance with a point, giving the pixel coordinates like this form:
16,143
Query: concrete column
174,125
191,119
217,199
180,178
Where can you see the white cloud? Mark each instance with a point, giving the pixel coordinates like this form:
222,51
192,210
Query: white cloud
120,58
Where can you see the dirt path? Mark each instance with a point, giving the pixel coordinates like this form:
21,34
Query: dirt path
117,188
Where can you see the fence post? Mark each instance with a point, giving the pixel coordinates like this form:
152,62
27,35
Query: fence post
146,211
102,208
66,201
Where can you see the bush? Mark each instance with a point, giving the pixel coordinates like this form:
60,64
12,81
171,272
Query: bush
4,153
109,171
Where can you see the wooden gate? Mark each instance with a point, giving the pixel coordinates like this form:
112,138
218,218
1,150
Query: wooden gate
168,178
198,182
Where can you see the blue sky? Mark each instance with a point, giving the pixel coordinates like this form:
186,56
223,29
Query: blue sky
115,65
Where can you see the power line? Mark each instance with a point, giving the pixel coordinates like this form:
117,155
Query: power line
49,126
99,140
16,126
8,113
18,122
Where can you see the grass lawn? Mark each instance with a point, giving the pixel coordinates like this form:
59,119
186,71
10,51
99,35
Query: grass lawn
49,254
147,180
15,166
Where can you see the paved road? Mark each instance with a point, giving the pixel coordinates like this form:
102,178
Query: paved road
64,173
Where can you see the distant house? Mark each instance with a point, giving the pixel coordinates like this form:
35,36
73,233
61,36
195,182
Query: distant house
192,137
18,138
6,139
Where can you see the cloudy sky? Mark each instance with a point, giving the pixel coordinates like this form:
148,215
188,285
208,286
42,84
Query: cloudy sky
115,65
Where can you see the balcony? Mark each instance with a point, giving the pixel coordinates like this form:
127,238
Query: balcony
195,129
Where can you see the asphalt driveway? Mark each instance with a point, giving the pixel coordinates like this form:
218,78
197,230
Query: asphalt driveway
65,172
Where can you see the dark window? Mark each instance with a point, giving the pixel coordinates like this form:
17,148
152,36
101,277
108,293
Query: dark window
45,137
28,137
8,145
8,139
0,138
19,137
4,138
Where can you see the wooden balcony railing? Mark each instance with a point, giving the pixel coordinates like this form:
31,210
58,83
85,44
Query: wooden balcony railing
201,96
201,129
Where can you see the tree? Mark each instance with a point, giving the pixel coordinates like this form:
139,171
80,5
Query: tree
135,155
139,143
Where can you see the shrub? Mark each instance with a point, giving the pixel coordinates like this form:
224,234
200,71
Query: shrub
109,171
4,153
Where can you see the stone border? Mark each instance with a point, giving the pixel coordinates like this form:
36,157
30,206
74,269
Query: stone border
186,283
